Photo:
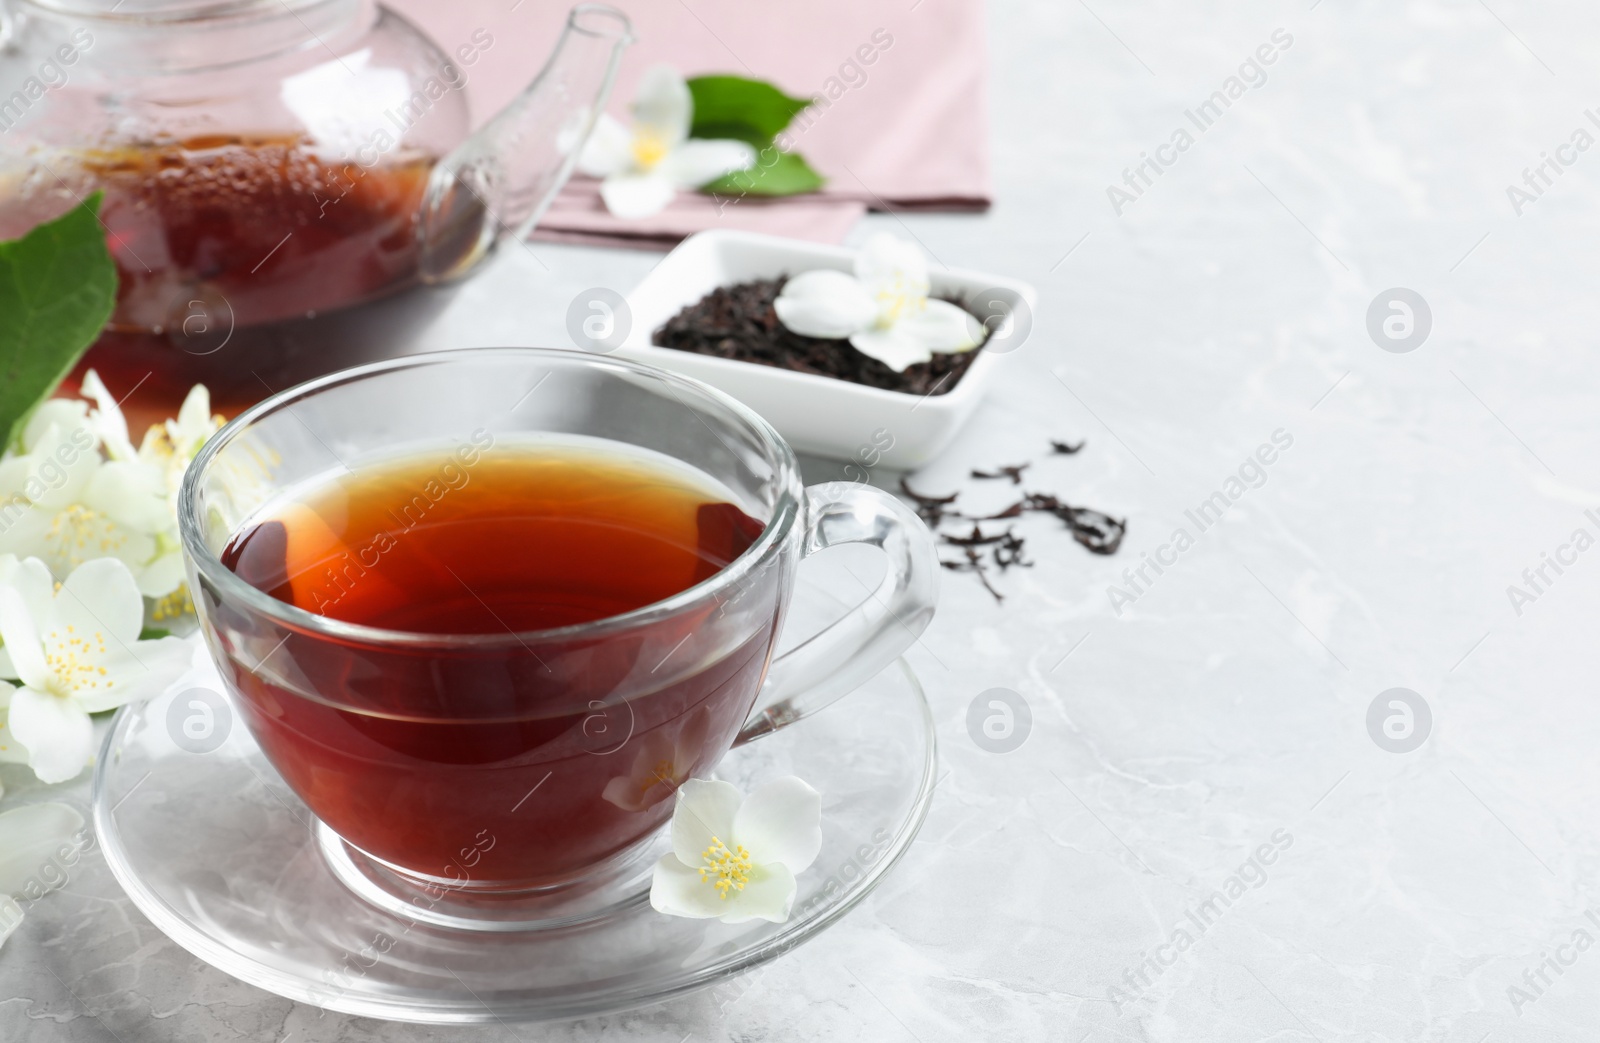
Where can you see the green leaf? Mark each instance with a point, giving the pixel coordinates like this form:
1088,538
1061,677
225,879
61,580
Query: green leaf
789,175
152,633
57,288
735,107
737,131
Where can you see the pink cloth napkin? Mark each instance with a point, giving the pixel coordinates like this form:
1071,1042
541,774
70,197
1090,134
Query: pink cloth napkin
578,216
904,125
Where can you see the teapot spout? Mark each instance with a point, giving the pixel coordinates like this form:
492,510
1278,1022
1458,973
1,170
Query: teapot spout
502,179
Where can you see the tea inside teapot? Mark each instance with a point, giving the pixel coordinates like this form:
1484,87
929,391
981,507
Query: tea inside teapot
264,222
223,240
260,193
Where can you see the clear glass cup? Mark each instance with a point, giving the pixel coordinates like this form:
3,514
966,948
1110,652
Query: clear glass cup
526,771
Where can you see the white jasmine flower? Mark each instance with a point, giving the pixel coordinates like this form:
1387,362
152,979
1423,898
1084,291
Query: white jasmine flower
77,652
883,309
166,451
107,421
82,531
644,166
30,836
61,501
53,461
31,579
57,500
734,858
660,765
167,447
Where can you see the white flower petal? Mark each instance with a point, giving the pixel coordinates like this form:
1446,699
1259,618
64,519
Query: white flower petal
29,838
31,578
677,890
885,262
62,463
696,162
67,538
781,822
63,413
624,792
10,917
633,196
130,493
143,670
940,326
690,743
661,762
663,104
20,631
641,788
108,421
652,749
99,596
768,895
705,809
825,303
14,472
609,149
194,423
163,574
57,734
27,531
892,348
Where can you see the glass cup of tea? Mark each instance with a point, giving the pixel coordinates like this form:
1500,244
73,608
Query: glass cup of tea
486,610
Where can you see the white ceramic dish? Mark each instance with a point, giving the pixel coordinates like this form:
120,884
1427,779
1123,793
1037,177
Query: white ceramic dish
821,415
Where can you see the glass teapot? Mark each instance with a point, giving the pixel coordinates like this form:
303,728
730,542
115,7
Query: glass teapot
266,161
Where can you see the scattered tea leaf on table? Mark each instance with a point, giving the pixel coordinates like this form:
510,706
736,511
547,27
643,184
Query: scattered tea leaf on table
57,288
1013,472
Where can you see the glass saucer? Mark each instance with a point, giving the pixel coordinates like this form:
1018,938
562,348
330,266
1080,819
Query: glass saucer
225,859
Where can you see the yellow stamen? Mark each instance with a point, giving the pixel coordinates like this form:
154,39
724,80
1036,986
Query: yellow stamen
662,772
173,605
70,663
648,149
78,534
730,870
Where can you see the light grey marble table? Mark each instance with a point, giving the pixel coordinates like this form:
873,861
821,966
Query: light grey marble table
1401,895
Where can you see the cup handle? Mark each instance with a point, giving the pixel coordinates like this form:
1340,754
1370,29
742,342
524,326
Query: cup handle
869,637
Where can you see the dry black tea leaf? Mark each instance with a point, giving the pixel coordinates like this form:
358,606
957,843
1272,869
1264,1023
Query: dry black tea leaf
1009,552
1100,532
976,539
931,509
974,564
1096,530
1014,511
739,322
1014,472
